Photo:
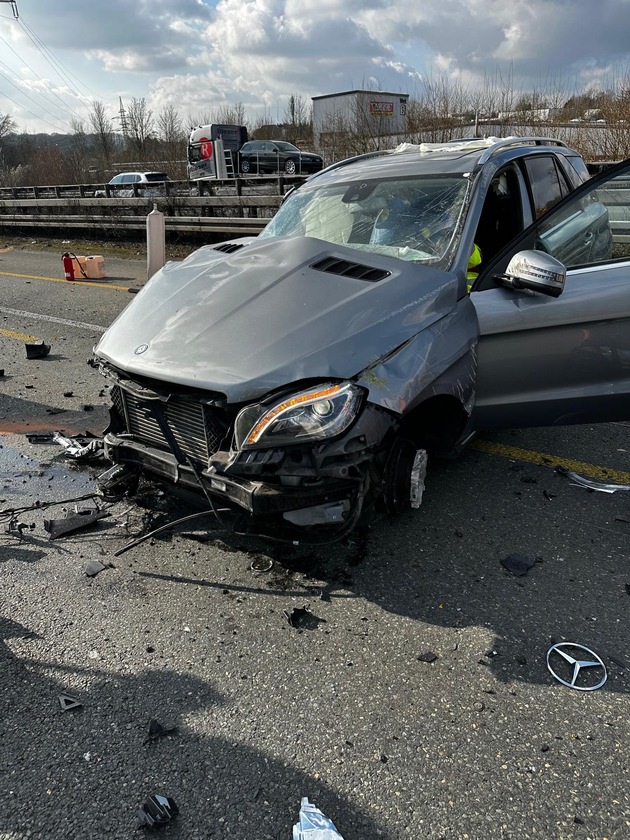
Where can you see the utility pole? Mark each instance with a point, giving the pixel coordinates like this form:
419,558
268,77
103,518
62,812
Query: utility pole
123,118
14,7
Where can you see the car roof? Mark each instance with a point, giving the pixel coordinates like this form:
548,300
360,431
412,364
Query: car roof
452,157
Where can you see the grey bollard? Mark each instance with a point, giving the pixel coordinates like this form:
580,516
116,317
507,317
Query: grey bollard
156,241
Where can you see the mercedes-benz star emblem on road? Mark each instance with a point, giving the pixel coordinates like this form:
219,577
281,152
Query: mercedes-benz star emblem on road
141,348
576,666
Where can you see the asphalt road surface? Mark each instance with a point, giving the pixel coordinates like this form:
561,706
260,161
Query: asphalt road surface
414,703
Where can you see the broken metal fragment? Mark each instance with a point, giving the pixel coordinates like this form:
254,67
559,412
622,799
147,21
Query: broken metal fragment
591,483
80,448
157,811
37,350
73,522
156,730
116,481
67,702
517,564
261,564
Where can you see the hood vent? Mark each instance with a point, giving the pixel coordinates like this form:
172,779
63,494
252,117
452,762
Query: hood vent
349,269
229,247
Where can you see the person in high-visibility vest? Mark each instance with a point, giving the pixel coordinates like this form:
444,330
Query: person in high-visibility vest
474,261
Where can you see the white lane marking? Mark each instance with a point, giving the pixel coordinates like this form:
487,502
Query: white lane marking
35,316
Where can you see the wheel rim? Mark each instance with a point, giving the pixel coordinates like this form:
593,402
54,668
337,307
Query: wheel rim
245,166
289,167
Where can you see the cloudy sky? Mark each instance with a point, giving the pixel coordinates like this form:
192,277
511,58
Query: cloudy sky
199,55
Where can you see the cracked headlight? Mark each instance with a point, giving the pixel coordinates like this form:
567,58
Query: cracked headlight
318,413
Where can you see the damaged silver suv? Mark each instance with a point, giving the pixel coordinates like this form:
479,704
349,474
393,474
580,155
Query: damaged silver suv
302,376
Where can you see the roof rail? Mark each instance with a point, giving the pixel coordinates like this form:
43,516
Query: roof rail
346,161
506,142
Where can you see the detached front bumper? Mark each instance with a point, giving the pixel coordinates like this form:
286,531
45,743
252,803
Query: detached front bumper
256,497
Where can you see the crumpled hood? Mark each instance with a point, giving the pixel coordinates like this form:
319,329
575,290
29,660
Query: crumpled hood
248,322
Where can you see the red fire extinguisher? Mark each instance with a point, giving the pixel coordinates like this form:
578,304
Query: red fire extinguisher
68,267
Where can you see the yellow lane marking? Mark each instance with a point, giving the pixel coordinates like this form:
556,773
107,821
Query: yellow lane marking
545,460
18,336
63,280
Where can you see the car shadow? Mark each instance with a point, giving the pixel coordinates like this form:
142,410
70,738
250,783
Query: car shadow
85,771
441,566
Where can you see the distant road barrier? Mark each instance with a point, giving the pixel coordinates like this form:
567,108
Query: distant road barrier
240,206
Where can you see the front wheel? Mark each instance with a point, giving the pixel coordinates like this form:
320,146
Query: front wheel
245,167
289,167
404,476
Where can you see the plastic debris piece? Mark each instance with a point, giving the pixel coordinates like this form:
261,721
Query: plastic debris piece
156,730
73,522
261,564
37,350
93,568
67,702
591,483
55,410
1,371
157,811
39,437
313,824
80,448
517,564
302,618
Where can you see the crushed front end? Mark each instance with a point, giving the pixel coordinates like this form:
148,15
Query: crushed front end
304,459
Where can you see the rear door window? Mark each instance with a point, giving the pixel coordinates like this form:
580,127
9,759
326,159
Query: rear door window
547,185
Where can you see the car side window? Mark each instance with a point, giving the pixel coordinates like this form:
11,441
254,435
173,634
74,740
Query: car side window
547,185
592,229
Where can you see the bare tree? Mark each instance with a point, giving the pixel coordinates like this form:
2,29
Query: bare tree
103,127
7,125
78,153
140,126
171,140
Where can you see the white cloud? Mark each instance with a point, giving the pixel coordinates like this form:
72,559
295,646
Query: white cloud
194,54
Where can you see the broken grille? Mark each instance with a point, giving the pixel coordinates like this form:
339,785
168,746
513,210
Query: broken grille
194,427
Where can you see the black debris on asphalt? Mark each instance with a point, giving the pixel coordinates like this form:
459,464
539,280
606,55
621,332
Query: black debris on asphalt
157,811
156,730
37,350
68,702
427,656
517,564
303,619
40,437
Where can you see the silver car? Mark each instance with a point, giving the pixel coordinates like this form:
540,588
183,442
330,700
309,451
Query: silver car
304,376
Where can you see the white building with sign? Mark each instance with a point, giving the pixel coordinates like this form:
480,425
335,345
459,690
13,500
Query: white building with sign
375,113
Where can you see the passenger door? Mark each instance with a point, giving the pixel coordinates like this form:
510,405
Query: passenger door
543,360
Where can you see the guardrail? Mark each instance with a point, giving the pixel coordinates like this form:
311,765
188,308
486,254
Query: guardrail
240,206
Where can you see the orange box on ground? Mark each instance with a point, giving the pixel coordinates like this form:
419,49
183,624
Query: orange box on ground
95,267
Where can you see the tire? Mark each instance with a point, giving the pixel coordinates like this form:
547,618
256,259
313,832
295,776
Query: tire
290,167
246,167
397,476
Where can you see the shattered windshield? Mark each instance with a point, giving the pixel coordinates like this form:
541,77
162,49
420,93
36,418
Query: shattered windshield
417,218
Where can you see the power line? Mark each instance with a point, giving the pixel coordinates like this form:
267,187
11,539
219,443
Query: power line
50,57
28,111
43,81
54,116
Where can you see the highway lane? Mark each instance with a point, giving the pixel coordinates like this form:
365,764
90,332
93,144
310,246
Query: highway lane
479,743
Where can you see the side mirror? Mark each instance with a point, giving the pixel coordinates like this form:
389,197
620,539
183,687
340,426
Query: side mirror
536,271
